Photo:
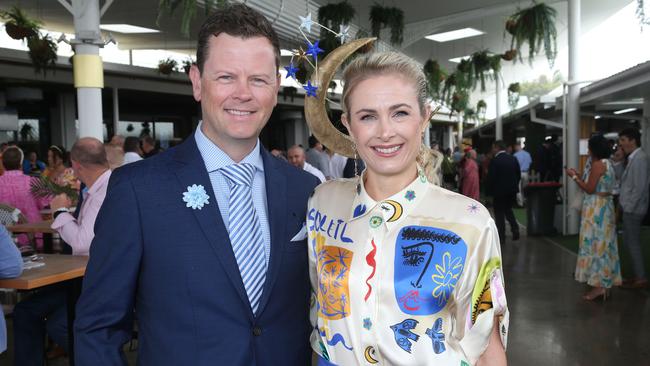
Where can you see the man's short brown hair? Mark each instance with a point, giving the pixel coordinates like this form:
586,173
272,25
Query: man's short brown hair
12,158
236,20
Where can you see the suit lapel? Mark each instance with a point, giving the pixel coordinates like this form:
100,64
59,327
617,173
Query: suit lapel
190,169
276,199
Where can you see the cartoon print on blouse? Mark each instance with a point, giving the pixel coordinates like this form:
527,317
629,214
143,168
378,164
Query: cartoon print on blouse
332,227
472,208
359,210
410,195
333,275
369,355
392,209
483,303
437,337
428,263
370,260
323,350
463,363
336,339
375,222
404,335
482,294
367,323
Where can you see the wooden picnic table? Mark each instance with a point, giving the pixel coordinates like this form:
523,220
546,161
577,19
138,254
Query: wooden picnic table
43,227
58,268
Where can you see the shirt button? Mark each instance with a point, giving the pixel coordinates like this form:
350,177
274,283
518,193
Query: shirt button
257,331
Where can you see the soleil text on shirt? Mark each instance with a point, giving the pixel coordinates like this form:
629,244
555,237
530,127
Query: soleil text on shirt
319,222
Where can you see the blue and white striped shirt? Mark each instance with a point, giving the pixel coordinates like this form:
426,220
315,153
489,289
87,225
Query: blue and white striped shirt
215,159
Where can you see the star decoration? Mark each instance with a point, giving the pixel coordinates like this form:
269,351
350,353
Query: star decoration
306,22
291,71
310,89
313,50
473,208
300,54
344,33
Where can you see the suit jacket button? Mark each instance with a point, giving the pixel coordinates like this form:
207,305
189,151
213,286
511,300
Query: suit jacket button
257,331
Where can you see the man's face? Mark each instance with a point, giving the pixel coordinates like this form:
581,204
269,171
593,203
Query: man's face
628,145
296,158
237,90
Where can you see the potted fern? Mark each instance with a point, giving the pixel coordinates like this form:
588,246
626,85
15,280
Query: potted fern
514,91
484,66
387,17
187,65
167,66
435,76
333,16
534,26
188,9
42,52
18,25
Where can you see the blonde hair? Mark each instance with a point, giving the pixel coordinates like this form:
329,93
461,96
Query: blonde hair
385,63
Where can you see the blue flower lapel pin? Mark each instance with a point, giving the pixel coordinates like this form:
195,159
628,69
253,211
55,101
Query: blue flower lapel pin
195,197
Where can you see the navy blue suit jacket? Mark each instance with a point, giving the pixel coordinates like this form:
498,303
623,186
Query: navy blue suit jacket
175,266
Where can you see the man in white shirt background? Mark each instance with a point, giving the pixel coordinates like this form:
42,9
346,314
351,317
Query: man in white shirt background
296,157
524,159
132,150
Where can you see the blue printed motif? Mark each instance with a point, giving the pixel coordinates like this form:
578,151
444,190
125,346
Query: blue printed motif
428,264
404,335
410,195
437,337
359,210
336,339
367,323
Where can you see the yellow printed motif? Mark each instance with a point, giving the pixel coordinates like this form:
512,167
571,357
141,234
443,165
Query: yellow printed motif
334,271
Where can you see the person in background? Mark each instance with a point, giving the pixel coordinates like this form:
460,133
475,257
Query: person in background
11,266
317,157
115,156
524,159
503,184
457,156
3,147
117,140
469,172
336,164
598,262
279,154
296,157
448,170
45,311
149,148
634,191
33,166
353,167
57,169
132,151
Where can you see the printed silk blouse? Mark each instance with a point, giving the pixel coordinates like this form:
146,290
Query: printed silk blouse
414,279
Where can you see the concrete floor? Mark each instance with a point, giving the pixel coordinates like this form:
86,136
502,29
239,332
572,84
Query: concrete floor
549,323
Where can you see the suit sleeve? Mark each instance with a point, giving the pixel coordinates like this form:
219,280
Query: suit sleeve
104,320
489,187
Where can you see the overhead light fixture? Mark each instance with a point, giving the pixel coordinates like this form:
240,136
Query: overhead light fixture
127,28
597,117
454,35
457,60
626,110
284,52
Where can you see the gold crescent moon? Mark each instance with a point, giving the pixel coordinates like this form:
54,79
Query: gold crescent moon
397,210
315,113
368,355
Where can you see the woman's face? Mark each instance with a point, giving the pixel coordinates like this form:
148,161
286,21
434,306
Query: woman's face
386,124
50,158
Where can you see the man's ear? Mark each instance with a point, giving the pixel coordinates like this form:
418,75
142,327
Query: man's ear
195,77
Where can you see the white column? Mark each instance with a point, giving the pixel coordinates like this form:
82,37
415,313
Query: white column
116,109
460,130
573,112
645,125
87,80
498,125
450,137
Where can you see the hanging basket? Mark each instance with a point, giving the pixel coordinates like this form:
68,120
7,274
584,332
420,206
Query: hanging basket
167,66
18,32
42,52
19,25
509,55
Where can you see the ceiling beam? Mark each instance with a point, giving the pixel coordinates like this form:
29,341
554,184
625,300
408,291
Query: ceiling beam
415,31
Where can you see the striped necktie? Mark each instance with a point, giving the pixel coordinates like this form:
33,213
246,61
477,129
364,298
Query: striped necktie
245,232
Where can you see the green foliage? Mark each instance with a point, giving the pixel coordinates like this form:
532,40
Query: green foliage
333,16
42,187
42,52
19,25
514,91
541,86
459,101
481,105
534,26
435,76
484,67
470,115
387,17
189,10
167,66
640,13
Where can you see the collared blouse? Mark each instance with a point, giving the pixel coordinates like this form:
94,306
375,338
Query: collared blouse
414,279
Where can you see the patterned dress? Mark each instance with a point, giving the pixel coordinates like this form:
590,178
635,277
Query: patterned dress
414,279
598,263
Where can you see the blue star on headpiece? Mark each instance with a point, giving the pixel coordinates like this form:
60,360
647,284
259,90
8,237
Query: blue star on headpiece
291,71
313,50
310,89
306,22
344,33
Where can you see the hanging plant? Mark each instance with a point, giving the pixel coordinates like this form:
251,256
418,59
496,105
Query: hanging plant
484,66
129,127
42,52
387,17
481,105
640,13
534,26
146,129
18,25
187,65
167,66
514,91
459,101
333,16
435,76
470,115
509,55
188,9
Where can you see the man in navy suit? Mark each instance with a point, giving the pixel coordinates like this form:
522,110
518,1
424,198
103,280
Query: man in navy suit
503,184
167,248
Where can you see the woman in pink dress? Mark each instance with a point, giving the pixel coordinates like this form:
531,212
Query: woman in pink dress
470,176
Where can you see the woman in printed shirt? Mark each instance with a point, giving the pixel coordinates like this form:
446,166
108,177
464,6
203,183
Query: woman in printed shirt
403,272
